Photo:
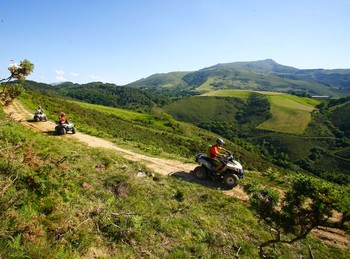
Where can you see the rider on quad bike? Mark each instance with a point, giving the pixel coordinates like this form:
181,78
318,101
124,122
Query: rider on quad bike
39,110
39,115
216,155
63,118
218,164
63,125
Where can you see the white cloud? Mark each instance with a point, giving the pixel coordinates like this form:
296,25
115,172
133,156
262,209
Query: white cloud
74,74
60,78
59,72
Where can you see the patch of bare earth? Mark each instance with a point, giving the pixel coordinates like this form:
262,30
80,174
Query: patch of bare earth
333,237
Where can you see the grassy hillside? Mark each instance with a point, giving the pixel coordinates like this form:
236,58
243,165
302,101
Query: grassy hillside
295,134
165,136
166,80
288,115
262,75
69,201
101,93
61,199
201,109
244,94
340,116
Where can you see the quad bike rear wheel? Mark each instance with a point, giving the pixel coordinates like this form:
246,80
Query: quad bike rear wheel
200,172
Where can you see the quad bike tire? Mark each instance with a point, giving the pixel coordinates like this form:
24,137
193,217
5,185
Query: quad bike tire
73,131
36,118
200,173
63,131
230,180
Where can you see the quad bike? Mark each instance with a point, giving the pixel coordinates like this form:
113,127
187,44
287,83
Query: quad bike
39,117
63,128
229,174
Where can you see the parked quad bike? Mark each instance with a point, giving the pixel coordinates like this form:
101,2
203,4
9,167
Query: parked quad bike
63,128
40,117
229,174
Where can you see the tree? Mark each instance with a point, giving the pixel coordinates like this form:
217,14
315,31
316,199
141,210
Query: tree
19,72
308,204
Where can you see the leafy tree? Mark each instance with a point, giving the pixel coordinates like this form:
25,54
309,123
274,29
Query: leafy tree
309,203
19,72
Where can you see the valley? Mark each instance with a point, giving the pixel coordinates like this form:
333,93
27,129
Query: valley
122,186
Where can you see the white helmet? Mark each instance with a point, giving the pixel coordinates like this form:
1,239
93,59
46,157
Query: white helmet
220,141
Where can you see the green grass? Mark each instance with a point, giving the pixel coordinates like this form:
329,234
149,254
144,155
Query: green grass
244,94
159,136
65,200
122,113
204,108
288,115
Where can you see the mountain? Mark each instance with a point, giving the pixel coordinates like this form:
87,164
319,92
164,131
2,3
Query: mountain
263,75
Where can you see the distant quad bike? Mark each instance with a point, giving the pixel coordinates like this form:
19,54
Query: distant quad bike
39,117
229,174
63,128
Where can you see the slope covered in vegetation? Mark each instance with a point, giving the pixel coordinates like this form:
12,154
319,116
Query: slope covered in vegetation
262,75
288,130
61,199
156,133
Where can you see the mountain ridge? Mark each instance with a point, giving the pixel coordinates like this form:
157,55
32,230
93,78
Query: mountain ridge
265,75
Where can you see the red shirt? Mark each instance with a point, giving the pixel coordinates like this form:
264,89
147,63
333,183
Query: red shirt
63,118
214,151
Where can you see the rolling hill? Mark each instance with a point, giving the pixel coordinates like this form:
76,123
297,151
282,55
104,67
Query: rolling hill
263,75
60,198
290,131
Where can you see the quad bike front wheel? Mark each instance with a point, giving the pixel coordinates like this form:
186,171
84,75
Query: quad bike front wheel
200,172
230,180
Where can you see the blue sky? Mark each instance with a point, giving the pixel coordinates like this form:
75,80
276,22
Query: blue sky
121,41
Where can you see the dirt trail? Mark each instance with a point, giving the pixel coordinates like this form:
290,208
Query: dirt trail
159,165
162,166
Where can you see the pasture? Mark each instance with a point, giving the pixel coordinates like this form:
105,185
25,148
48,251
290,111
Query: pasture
289,115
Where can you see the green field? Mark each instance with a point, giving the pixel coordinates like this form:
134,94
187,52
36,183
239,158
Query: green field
238,93
289,115
198,109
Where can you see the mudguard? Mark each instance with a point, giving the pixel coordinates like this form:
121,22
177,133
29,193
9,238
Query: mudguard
203,160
